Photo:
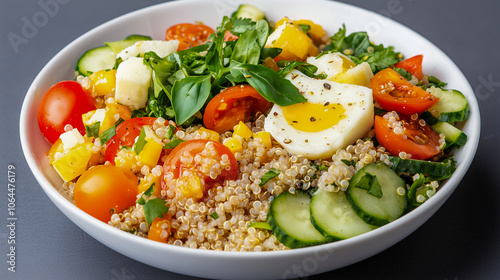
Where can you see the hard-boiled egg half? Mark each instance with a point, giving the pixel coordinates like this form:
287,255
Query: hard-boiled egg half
335,116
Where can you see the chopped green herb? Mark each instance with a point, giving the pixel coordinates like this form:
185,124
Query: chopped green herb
349,162
413,190
214,215
154,208
107,134
170,131
147,193
141,142
320,167
273,172
172,144
370,183
260,225
93,130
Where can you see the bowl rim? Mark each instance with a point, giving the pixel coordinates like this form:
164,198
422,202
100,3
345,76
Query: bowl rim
64,205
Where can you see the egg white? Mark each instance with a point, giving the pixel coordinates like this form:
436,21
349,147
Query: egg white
357,102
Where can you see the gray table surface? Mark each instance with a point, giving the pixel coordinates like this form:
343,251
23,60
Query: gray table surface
461,241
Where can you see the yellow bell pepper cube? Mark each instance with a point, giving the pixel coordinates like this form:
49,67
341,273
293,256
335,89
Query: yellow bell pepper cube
146,182
103,82
265,138
295,44
212,135
233,144
316,31
150,153
242,130
74,163
192,189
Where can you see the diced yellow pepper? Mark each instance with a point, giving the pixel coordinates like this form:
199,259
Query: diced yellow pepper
103,82
146,181
295,44
233,144
212,135
150,153
242,130
111,111
57,147
126,158
74,163
265,138
192,189
317,33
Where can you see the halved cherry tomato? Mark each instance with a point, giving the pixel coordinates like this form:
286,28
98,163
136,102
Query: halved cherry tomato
395,93
232,105
228,36
105,189
126,132
422,142
195,147
412,65
188,34
63,104
157,227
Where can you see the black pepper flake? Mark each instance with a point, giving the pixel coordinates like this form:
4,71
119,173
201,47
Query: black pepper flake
307,141
294,75
312,119
275,114
295,121
327,86
326,104
349,104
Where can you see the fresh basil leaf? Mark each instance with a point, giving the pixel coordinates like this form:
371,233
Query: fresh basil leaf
370,183
215,57
433,81
273,172
242,25
269,84
170,131
140,142
93,129
189,95
172,144
270,52
304,67
260,225
154,208
405,74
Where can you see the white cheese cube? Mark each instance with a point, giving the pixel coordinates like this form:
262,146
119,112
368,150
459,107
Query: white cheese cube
161,48
71,138
133,79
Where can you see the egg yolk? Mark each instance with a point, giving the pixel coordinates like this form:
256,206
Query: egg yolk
313,117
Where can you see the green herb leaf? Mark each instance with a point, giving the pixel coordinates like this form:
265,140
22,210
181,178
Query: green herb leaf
214,215
370,183
189,95
349,162
411,195
304,67
172,144
433,81
154,208
305,28
260,225
320,167
170,131
250,43
107,134
273,172
270,52
269,84
93,130
405,74
141,142
147,193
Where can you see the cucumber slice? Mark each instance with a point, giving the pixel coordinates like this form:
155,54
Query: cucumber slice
290,220
333,216
118,46
249,11
428,168
372,209
95,59
453,135
451,107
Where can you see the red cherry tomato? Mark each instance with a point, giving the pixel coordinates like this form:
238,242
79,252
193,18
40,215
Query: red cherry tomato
126,132
228,36
188,34
174,164
232,105
422,142
105,189
395,93
63,104
412,65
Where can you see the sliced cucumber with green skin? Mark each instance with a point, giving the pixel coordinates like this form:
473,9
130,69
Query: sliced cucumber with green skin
290,220
249,11
453,136
96,59
104,57
118,46
451,107
333,215
428,168
373,210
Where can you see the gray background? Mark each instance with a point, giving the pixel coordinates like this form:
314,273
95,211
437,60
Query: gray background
461,241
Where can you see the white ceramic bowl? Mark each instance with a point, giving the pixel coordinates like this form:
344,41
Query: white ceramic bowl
252,265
